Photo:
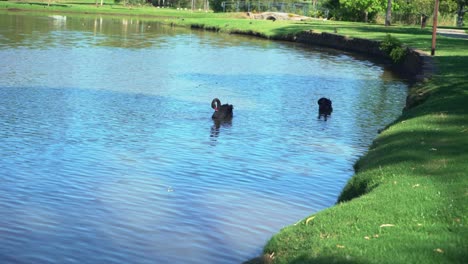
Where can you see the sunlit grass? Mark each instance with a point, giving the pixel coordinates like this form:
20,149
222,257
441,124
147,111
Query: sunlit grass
414,178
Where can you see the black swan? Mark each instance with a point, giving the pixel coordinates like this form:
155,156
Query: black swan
325,106
221,111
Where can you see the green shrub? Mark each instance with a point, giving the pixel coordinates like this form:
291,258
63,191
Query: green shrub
394,48
130,2
398,54
216,5
389,43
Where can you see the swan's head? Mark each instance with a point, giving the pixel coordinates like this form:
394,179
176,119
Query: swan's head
324,101
215,104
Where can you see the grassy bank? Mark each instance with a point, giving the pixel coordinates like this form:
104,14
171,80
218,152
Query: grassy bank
408,201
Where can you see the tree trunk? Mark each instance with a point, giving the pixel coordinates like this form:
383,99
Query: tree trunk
423,20
388,15
460,14
366,16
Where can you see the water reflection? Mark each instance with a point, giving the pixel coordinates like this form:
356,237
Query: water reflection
325,116
127,32
216,127
26,30
58,21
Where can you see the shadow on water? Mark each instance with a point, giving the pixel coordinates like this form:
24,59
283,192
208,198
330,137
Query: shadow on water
217,126
325,116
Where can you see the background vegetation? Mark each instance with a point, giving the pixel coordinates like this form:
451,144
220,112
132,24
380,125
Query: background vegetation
403,11
409,12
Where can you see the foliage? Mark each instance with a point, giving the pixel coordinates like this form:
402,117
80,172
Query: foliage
131,2
462,8
398,54
334,8
216,5
354,10
394,48
389,43
364,7
403,11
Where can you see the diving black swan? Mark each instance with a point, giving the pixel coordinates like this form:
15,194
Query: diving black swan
325,106
221,111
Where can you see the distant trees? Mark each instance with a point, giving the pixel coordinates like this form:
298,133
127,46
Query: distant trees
216,5
166,3
363,7
172,3
406,11
462,8
129,2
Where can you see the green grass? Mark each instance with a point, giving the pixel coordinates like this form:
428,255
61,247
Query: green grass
414,178
408,201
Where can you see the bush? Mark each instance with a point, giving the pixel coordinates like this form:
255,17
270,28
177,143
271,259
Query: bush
216,6
398,54
394,48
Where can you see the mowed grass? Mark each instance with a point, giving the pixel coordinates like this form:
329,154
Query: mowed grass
408,201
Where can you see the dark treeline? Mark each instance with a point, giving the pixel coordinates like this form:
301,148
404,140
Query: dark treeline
401,11
396,11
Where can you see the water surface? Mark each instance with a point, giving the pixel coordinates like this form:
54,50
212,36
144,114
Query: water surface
109,154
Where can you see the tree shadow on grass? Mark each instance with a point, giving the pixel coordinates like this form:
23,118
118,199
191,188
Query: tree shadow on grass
424,152
411,36
304,259
45,4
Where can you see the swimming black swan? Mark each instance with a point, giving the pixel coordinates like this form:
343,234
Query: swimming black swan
325,106
221,111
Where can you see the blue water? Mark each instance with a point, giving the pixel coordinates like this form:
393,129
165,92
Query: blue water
109,154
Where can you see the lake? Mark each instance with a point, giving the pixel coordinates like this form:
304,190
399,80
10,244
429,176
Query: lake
109,153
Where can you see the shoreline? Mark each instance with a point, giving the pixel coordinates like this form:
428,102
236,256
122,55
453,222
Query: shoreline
419,65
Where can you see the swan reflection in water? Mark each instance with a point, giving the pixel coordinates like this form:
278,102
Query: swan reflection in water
217,126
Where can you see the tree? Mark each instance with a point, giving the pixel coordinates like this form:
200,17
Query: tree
334,9
388,15
461,10
364,6
417,6
216,5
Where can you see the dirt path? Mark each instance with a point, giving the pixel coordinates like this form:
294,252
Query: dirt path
453,33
